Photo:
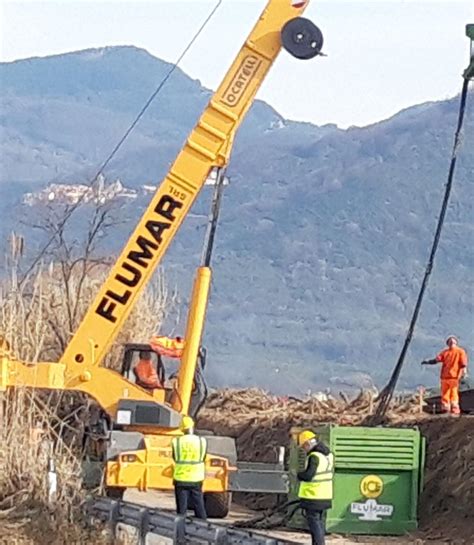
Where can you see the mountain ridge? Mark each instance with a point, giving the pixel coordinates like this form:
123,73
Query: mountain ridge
335,224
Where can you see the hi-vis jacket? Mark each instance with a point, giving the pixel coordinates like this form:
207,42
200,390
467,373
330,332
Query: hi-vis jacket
167,346
320,487
189,453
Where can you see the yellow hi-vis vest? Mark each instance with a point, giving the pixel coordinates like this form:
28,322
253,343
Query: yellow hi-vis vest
320,487
189,453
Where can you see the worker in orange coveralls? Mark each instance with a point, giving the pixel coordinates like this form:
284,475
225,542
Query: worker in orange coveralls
145,373
454,365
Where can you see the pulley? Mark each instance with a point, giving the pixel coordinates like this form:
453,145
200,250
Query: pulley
302,38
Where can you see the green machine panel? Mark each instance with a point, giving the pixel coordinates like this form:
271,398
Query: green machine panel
378,479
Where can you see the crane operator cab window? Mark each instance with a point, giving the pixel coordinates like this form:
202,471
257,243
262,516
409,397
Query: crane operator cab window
143,366
155,367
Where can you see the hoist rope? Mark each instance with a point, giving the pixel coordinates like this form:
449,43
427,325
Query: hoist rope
387,392
119,144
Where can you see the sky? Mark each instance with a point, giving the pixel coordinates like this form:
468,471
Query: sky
382,55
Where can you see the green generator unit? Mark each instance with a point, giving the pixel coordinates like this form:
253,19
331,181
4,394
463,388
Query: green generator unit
378,479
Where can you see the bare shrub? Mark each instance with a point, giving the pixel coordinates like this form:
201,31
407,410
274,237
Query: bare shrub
38,315
33,454
39,312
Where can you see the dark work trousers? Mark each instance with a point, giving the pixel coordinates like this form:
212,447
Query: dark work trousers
184,494
315,521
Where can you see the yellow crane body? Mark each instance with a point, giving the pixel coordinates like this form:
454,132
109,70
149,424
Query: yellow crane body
80,367
152,467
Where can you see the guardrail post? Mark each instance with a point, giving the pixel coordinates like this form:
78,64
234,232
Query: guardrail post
179,536
144,525
113,518
221,536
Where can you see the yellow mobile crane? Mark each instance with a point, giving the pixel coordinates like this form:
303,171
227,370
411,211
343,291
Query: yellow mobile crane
150,416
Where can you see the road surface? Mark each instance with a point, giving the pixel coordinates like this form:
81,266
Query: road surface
165,500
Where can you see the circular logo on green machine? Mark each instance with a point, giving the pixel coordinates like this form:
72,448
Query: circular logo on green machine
371,486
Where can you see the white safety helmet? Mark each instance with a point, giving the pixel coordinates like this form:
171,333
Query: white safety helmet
451,338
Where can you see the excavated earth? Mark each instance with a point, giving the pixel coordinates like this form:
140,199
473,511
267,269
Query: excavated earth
259,421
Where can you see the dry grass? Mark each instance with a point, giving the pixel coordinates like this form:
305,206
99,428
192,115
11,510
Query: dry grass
31,439
37,320
260,421
36,316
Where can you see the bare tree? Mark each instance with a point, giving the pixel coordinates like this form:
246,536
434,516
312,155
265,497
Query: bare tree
41,313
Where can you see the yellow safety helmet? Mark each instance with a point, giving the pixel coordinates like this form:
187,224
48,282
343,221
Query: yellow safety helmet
187,423
305,436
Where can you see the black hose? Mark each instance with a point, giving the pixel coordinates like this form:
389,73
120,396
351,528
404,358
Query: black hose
282,506
387,393
201,391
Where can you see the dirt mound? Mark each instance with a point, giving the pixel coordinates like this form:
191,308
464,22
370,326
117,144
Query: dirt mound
448,495
259,421
35,529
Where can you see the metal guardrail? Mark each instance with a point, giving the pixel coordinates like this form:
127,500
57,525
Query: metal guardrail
179,530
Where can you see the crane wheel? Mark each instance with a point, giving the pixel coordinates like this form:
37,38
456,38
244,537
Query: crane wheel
115,492
302,38
217,504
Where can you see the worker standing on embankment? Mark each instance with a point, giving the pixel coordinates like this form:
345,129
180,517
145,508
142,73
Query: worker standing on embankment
315,484
454,365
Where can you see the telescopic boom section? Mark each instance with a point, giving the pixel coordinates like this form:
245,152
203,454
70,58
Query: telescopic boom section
208,146
198,305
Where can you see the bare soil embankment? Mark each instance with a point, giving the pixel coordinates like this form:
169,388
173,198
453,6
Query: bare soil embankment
259,421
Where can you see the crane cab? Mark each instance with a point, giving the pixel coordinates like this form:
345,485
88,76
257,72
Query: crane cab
167,370
133,354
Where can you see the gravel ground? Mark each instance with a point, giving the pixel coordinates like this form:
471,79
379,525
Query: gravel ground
239,513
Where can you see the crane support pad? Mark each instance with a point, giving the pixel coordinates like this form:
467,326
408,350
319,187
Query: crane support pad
176,528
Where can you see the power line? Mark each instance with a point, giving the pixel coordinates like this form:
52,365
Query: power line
121,141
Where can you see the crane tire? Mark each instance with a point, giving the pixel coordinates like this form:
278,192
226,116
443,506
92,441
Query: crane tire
115,492
217,504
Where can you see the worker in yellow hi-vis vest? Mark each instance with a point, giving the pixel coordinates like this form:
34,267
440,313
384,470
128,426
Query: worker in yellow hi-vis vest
315,484
189,454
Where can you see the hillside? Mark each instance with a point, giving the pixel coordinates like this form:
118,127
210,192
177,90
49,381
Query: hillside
324,232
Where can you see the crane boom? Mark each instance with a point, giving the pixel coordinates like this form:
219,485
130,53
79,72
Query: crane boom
208,146
135,411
